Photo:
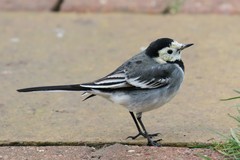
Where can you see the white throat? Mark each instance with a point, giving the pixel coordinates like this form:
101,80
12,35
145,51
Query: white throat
159,60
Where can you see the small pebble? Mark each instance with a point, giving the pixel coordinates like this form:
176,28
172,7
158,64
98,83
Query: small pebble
131,151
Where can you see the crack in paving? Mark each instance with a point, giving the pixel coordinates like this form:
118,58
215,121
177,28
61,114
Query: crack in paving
98,145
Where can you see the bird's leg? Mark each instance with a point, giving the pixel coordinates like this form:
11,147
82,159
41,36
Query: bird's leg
150,141
140,132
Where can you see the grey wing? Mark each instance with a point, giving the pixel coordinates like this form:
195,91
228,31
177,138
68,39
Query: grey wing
117,79
150,77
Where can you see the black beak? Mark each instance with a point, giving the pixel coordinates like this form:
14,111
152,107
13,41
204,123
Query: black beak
186,46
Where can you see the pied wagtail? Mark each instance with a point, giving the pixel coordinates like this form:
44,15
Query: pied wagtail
145,82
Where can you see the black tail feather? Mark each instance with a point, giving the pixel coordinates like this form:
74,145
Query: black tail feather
75,87
90,96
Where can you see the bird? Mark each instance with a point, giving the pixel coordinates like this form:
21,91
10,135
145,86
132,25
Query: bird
145,82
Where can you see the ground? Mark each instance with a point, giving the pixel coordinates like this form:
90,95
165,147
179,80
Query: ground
50,49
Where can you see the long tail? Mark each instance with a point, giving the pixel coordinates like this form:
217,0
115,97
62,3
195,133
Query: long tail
74,87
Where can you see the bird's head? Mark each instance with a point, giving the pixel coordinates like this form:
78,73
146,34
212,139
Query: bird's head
166,50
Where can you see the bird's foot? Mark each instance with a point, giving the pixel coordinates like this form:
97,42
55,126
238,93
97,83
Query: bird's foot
144,135
154,142
136,136
153,135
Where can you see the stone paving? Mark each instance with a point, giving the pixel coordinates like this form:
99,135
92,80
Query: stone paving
133,6
50,49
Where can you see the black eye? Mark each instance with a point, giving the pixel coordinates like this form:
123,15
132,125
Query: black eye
169,51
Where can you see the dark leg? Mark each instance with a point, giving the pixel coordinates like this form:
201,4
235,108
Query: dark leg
140,132
150,141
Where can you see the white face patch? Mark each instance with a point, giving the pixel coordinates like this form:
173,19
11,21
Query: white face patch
171,53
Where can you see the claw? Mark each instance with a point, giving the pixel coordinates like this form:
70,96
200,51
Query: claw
154,143
134,137
153,135
142,134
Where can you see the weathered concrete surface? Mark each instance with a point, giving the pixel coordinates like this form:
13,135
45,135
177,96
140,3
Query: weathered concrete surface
155,6
139,6
27,5
117,151
214,6
50,49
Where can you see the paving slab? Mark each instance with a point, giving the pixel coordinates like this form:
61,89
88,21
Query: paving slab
27,5
116,151
50,49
